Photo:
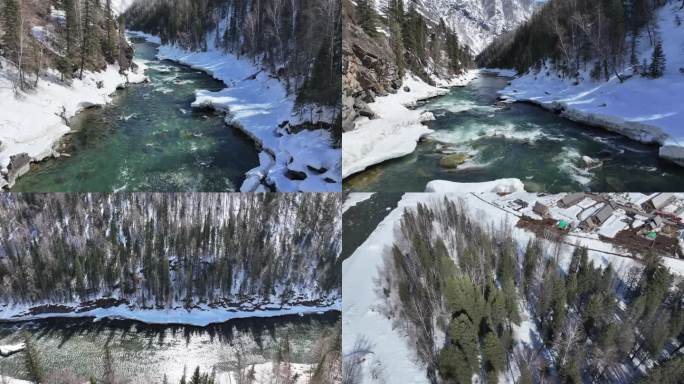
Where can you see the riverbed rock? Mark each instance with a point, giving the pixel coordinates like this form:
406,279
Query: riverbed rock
453,161
19,165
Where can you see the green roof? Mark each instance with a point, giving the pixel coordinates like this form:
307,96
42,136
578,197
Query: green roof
652,235
563,224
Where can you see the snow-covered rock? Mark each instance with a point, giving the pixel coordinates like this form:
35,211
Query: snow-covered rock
8,350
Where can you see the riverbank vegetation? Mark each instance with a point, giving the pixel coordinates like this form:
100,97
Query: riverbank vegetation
163,250
599,37
297,41
67,35
475,302
419,45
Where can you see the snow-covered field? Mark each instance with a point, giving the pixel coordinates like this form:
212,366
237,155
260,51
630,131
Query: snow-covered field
258,104
397,129
643,109
30,122
200,317
362,304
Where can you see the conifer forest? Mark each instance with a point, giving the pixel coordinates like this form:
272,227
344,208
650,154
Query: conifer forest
341,191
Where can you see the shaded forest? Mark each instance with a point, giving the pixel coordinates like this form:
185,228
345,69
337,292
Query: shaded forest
166,249
296,40
598,37
71,36
466,293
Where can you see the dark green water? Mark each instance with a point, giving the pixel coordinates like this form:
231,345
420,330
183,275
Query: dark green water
143,354
360,220
149,139
521,141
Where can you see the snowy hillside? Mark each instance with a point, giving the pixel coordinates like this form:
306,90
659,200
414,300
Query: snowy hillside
478,22
120,6
644,109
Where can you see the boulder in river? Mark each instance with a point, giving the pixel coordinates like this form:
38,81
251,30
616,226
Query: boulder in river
453,161
19,165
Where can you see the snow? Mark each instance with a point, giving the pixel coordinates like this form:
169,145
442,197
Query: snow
496,186
264,374
397,129
200,317
30,122
6,350
362,315
643,109
258,104
10,380
355,198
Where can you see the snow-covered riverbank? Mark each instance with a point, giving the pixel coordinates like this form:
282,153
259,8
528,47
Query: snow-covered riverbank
32,123
397,128
388,353
643,109
260,106
200,316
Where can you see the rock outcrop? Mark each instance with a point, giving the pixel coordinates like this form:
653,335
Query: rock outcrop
368,68
19,165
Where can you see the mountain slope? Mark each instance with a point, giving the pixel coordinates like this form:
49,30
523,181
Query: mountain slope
478,22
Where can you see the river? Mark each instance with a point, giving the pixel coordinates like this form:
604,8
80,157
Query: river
519,141
144,353
149,139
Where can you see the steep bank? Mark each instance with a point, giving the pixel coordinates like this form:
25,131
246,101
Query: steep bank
291,159
642,108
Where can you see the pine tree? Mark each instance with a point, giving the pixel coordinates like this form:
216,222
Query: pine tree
494,356
32,360
366,13
111,35
196,377
90,43
395,21
11,25
657,67
108,375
